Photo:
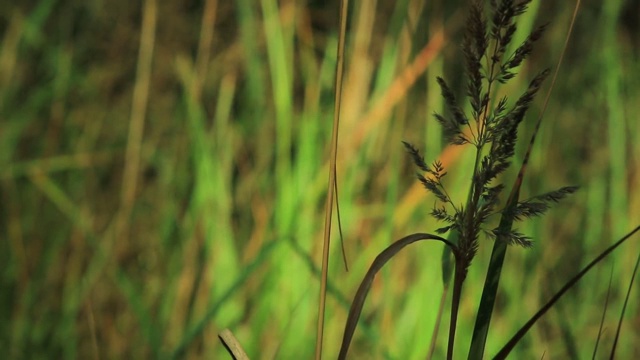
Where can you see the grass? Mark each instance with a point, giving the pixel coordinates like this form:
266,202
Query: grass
225,221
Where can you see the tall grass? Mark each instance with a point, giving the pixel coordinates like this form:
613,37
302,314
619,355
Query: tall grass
225,222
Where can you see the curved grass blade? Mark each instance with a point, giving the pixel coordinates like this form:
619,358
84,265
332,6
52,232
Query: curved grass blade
624,308
485,310
502,354
365,285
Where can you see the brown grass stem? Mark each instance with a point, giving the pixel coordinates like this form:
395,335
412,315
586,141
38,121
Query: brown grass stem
138,114
332,179
233,346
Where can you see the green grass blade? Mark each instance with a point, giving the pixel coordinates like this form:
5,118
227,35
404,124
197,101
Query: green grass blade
617,121
504,352
604,314
624,308
489,292
365,285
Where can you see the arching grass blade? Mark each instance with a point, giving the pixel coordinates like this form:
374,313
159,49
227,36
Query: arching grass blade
365,285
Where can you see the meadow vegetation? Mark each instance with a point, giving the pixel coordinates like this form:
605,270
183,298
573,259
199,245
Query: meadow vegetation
164,171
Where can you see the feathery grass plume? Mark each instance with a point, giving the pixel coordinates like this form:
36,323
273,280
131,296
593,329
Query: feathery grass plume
495,129
538,205
492,131
504,233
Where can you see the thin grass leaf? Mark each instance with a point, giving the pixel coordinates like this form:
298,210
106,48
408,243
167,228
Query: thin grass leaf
624,308
342,247
365,285
604,313
485,310
506,350
436,326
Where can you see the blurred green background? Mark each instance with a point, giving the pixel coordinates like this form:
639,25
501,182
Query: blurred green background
164,170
